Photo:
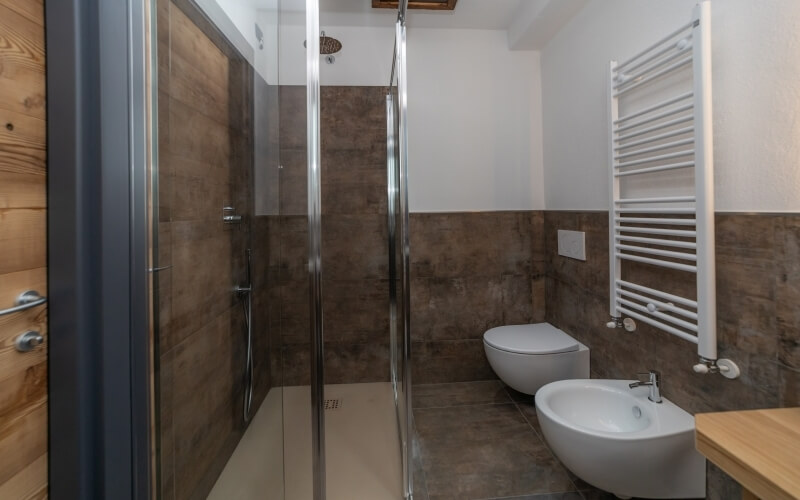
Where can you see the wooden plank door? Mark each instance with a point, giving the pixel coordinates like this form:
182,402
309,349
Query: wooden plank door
23,249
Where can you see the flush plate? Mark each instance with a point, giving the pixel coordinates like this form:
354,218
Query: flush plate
572,244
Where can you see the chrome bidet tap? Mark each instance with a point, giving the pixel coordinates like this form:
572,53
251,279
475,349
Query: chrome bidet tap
653,381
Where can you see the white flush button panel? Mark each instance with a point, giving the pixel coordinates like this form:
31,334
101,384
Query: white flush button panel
572,244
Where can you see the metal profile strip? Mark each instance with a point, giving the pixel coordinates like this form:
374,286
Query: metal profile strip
704,182
656,251
655,138
660,199
661,305
660,147
658,293
658,221
654,128
667,156
630,78
665,317
656,45
402,99
651,119
654,76
658,262
658,241
655,107
660,168
656,230
687,211
658,324
313,142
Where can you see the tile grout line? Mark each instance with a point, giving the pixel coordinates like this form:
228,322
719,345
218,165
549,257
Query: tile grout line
423,474
534,496
549,450
466,405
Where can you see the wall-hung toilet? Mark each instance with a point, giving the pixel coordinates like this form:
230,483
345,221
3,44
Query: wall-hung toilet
526,357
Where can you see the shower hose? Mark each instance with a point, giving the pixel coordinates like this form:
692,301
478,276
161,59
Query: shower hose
246,298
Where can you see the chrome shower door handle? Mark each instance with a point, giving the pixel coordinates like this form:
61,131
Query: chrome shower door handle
25,300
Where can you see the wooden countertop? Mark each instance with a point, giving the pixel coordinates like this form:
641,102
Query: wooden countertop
758,448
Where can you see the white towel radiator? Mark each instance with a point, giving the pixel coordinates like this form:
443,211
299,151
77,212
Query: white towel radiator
658,137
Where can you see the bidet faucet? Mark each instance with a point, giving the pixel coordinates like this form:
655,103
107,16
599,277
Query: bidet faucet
654,382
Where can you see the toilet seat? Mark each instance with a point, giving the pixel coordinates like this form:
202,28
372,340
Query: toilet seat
539,338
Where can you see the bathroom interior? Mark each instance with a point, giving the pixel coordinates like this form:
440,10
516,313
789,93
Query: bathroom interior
457,249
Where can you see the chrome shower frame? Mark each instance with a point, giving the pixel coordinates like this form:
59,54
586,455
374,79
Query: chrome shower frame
313,143
397,174
397,193
407,425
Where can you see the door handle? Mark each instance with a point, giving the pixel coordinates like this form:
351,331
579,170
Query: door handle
25,300
28,341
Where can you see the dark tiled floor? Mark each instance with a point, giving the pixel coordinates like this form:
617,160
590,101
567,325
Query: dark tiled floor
482,441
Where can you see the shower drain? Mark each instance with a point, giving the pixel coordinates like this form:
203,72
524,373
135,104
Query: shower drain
332,404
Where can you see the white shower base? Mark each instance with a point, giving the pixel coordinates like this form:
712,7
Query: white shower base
362,447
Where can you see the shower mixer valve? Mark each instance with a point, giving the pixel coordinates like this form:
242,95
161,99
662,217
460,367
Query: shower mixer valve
229,216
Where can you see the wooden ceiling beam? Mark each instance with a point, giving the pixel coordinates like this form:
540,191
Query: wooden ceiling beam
417,4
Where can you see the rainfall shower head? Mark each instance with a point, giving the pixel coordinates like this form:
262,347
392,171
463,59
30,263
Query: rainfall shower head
327,45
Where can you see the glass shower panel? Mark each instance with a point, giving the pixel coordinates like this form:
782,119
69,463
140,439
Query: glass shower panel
214,199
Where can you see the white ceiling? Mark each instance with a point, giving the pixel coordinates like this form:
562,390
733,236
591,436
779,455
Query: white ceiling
529,24
469,14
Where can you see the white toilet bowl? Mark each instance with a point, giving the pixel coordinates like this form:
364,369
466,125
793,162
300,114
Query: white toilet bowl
526,357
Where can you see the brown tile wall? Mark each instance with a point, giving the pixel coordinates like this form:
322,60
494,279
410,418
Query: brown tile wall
758,289
354,240
205,163
265,243
462,285
471,271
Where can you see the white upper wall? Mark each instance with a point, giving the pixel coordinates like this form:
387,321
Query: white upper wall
474,110
474,117
237,19
756,99
365,58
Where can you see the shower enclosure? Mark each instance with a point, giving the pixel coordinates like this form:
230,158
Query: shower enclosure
279,260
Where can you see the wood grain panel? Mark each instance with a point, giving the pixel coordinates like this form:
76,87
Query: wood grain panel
22,191
22,71
23,376
24,486
758,448
199,172
22,236
32,10
26,435
10,327
12,284
189,84
193,46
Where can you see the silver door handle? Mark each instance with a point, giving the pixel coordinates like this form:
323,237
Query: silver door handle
25,300
28,341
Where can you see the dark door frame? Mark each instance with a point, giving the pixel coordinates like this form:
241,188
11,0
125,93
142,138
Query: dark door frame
99,443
